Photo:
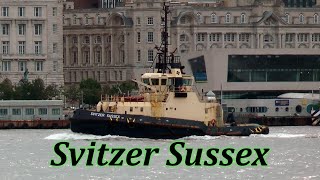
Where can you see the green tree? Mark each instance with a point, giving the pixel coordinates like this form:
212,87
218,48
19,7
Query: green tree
51,91
91,91
72,93
6,90
23,90
37,90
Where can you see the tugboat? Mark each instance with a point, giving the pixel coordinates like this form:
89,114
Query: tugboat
167,107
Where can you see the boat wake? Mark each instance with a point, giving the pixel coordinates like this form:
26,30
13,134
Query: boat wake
285,135
77,136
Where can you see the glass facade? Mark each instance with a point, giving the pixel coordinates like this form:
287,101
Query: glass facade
273,68
198,67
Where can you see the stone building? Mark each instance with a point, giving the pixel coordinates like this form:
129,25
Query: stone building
31,40
117,44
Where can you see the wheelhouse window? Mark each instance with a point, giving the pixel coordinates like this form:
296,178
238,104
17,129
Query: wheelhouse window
146,81
155,81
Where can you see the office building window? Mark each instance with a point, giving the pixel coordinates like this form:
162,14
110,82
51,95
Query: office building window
97,56
228,18
301,18
21,11
21,47
150,55
244,37
37,47
22,65
214,37
37,11
39,66
5,47
214,18
315,19
201,37
74,39
150,21
316,37
303,37
6,65
37,29
86,56
138,21
243,18
54,11
138,37
5,29
55,66
54,28
289,37
229,37
138,55
21,29
5,11
150,37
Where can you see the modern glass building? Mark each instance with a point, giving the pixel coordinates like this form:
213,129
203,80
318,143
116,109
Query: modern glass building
273,68
255,73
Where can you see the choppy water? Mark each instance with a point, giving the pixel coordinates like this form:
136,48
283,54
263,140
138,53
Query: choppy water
295,154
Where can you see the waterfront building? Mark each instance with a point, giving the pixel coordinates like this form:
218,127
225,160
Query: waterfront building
31,40
234,38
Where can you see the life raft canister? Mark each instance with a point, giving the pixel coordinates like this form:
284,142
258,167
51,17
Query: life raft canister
212,122
182,88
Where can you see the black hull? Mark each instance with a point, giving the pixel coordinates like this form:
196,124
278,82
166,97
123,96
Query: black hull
148,127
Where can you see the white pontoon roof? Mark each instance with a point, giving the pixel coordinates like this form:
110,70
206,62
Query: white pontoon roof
300,96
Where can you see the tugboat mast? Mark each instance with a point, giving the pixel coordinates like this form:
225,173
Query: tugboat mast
162,64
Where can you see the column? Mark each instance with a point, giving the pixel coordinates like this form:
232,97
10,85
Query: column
13,41
208,41
79,50
282,40
91,50
29,37
261,40
252,40
279,40
103,50
310,40
67,58
222,39
237,40
195,41
111,48
296,41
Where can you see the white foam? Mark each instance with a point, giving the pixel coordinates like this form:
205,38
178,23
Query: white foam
279,135
76,136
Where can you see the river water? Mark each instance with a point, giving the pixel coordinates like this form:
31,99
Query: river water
295,154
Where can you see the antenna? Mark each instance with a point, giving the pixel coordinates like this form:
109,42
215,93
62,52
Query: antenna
163,60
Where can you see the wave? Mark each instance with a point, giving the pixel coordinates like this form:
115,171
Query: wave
280,135
76,136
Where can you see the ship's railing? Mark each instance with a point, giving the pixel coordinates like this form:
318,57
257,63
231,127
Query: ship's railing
173,61
146,97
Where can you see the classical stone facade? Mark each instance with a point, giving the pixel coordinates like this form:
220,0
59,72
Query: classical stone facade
31,40
112,45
